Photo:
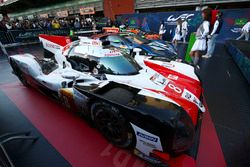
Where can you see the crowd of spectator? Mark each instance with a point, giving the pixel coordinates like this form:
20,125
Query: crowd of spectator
76,23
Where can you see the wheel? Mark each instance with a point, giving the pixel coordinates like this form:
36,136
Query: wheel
111,123
19,73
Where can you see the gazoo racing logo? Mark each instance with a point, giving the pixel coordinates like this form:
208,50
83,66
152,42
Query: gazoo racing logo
147,137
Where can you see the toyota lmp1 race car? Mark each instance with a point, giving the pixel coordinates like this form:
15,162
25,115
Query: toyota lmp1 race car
137,108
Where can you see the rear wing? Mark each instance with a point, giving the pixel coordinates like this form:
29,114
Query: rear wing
53,43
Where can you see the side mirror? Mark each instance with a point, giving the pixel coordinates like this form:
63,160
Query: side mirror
137,50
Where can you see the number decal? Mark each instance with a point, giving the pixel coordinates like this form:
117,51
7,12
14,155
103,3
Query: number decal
175,88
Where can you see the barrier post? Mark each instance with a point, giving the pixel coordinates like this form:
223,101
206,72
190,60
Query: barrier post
190,45
3,49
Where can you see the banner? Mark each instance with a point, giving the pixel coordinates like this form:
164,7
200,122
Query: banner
62,14
30,17
233,21
44,16
110,29
87,10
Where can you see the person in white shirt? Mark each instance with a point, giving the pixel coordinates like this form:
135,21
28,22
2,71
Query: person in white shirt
245,31
213,36
162,29
200,44
8,26
184,30
177,36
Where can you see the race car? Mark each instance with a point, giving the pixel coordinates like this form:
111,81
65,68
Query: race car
129,41
142,118
170,78
147,35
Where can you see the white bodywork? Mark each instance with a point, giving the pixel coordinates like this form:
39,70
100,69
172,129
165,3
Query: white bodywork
91,47
146,80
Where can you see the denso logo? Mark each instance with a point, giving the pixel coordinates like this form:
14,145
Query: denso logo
183,16
150,138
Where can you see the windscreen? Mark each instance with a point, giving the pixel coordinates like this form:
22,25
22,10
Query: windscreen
118,65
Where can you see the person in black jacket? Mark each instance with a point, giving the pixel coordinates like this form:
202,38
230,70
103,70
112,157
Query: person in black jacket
213,36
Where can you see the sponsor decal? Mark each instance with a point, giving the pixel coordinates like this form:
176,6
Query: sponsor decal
52,46
192,98
85,43
148,144
171,20
240,21
113,53
173,77
168,65
236,30
95,43
157,78
87,10
147,137
111,30
175,88
183,16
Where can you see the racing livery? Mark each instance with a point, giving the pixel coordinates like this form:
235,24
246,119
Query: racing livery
156,107
151,124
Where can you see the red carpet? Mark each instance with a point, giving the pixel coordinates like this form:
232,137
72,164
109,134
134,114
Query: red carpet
82,145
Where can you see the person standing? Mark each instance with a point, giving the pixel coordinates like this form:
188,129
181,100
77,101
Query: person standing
162,29
245,31
184,30
200,44
177,36
77,24
213,36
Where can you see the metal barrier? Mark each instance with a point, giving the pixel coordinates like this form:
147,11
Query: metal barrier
5,38
13,37
25,36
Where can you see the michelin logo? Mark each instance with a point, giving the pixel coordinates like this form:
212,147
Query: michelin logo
147,137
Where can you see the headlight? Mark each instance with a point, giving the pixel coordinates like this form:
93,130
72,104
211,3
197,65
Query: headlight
184,134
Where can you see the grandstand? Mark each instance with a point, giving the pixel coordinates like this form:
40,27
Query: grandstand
28,7
142,4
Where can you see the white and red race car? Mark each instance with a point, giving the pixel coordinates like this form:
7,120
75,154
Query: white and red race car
172,79
152,109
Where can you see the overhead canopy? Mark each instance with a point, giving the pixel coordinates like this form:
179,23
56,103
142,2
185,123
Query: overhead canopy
29,7
11,6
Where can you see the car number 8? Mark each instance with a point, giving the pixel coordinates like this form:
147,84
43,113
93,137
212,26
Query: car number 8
176,89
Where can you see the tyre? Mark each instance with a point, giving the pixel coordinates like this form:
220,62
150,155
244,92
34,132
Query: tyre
111,123
19,73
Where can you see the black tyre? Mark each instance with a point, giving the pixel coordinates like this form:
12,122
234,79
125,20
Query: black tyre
112,124
19,73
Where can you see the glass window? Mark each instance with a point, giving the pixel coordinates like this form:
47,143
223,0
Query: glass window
138,39
118,65
115,39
